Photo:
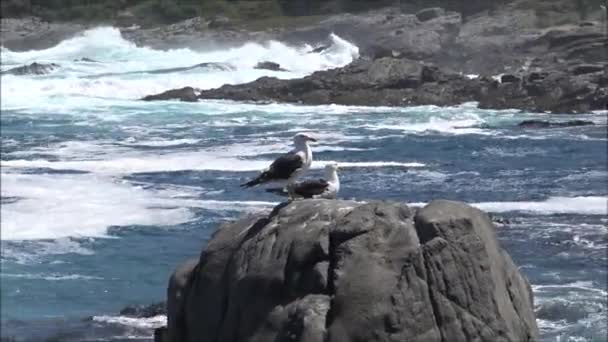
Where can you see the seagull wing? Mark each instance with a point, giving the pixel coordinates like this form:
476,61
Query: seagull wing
310,188
281,169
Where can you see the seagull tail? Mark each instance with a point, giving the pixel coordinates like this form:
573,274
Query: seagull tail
257,180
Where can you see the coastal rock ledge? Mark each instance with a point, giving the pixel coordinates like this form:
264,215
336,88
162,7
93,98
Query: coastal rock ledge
323,270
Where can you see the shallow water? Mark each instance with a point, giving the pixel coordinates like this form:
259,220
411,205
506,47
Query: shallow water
103,195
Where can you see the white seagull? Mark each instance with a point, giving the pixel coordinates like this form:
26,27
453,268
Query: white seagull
289,166
327,187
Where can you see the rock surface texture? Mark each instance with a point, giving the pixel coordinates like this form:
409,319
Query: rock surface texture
321,270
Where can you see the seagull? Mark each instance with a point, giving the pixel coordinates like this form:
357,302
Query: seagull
289,166
327,187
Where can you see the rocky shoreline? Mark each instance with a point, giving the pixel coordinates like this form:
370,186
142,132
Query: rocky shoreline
500,59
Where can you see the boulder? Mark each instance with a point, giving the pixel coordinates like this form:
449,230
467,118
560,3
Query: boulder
32,69
272,66
325,270
185,94
430,13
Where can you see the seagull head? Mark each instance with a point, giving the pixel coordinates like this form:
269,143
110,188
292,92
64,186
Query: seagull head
331,168
302,138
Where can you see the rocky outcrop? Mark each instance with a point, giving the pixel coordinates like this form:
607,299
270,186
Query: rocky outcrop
272,66
555,91
392,81
381,82
185,94
554,124
322,270
32,69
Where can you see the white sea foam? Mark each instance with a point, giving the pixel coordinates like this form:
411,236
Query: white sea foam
582,285
49,277
375,164
120,58
85,205
105,158
56,206
34,251
590,205
140,323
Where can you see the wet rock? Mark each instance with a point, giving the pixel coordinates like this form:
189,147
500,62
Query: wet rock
87,60
32,69
509,79
144,311
272,66
160,335
587,69
319,270
554,124
185,94
430,13
320,49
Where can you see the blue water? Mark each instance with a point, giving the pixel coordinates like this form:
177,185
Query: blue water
103,195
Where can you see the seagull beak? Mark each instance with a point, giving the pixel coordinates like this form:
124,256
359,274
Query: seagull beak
312,139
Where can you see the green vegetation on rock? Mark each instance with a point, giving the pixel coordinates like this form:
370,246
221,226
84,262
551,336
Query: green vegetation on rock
262,13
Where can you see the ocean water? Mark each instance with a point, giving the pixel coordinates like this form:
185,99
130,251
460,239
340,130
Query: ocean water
103,195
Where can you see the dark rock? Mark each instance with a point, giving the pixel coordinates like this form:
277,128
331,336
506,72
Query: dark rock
32,69
500,220
320,49
160,334
144,311
390,81
587,69
509,79
430,13
552,124
185,94
87,60
537,76
179,286
272,66
318,270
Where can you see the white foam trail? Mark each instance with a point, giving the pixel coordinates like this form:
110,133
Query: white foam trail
591,205
147,163
49,277
41,250
377,164
141,323
161,143
579,285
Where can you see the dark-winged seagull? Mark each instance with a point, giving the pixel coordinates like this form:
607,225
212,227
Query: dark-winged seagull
289,166
327,187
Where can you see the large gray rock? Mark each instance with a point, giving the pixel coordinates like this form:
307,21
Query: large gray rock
321,270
